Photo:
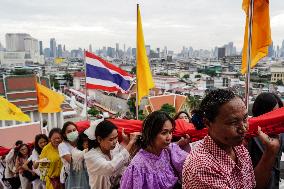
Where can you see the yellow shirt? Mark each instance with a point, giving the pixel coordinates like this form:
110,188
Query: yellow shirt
55,164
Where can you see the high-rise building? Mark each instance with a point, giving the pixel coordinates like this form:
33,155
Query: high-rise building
59,50
271,50
221,52
117,47
90,48
15,42
148,49
53,48
46,52
40,48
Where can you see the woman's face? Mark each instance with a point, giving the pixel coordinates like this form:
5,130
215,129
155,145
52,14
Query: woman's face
184,117
42,142
230,125
56,139
164,137
70,128
110,141
24,150
86,144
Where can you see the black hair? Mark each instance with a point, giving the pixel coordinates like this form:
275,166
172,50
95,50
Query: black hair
54,130
19,154
210,105
37,138
65,125
181,112
18,142
103,130
152,125
81,139
265,102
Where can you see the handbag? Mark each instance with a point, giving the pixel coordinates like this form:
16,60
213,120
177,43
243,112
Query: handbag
77,179
178,184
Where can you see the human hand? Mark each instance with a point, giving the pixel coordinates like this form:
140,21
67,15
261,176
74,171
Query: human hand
184,141
271,143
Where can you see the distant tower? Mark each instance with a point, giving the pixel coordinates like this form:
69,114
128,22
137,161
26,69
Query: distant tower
90,48
59,53
52,47
40,48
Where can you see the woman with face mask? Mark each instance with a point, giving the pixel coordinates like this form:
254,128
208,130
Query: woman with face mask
70,135
159,163
106,158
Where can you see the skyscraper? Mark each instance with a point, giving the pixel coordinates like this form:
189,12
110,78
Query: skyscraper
52,48
40,48
15,42
221,52
59,50
90,48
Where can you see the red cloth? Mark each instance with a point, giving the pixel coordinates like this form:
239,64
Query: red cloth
270,123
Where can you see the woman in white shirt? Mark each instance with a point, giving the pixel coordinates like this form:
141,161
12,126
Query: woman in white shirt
106,159
70,136
41,141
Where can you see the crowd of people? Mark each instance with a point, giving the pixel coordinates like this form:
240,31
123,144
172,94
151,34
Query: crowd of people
152,159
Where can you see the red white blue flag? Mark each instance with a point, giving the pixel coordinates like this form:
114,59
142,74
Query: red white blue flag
103,75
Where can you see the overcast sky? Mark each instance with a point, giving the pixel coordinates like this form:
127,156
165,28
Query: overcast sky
172,23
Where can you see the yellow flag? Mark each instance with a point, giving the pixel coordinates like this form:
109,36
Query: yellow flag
49,101
261,35
9,111
59,60
144,77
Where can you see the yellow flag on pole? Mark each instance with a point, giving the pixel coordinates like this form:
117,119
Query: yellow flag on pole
49,101
9,111
261,34
144,77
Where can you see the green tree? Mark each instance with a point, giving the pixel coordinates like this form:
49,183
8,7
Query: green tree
21,72
93,111
279,82
69,79
192,102
169,109
131,104
133,70
186,76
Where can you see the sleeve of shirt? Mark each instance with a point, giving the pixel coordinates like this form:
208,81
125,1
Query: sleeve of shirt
131,178
178,157
203,178
63,149
34,156
97,164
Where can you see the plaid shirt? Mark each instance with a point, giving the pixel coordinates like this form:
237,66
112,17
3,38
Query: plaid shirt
208,166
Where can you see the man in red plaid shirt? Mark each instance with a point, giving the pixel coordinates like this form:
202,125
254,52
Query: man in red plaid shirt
220,160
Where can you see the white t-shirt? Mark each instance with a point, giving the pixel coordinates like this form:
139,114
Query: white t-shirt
34,157
64,148
101,168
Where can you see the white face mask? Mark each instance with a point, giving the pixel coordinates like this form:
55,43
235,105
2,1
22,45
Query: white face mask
72,136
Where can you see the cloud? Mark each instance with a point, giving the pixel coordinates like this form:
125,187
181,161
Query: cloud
196,23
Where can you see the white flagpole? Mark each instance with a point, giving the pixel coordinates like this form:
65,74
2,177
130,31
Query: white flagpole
247,92
86,90
136,102
55,120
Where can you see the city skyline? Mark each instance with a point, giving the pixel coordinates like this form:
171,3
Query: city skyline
199,24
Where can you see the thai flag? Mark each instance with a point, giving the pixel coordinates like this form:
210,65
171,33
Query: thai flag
102,75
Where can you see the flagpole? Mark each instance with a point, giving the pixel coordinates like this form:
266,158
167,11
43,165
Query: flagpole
137,106
86,90
247,92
